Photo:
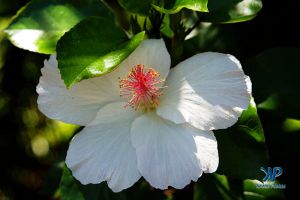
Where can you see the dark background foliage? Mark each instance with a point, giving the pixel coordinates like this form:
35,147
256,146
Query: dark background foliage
268,47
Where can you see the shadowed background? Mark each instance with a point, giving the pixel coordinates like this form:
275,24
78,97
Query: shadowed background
33,147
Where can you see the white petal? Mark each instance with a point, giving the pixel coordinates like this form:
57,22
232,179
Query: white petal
171,154
151,53
77,105
208,90
207,150
80,103
103,151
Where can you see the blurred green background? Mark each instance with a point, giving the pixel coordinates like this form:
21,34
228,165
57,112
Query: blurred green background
33,147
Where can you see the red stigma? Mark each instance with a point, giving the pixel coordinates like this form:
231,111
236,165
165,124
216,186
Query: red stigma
141,87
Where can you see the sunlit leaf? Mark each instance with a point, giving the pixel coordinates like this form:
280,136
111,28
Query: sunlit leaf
40,24
252,192
231,11
4,21
291,125
92,48
174,6
241,147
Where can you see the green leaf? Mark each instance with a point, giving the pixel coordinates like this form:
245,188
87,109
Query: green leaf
52,178
72,189
39,25
165,28
213,186
241,147
3,43
101,192
167,6
275,76
252,192
232,11
174,6
236,187
137,6
92,48
291,125
69,187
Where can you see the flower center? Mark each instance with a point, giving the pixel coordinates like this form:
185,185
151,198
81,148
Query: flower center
141,87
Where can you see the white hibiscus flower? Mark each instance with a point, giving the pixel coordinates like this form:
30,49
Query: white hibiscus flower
137,124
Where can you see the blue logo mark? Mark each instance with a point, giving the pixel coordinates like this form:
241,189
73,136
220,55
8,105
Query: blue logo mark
271,174
269,179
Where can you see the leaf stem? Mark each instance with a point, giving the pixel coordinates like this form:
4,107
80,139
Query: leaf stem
193,27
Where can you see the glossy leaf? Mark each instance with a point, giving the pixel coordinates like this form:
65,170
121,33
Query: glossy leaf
174,6
40,24
241,147
92,48
232,11
275,77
